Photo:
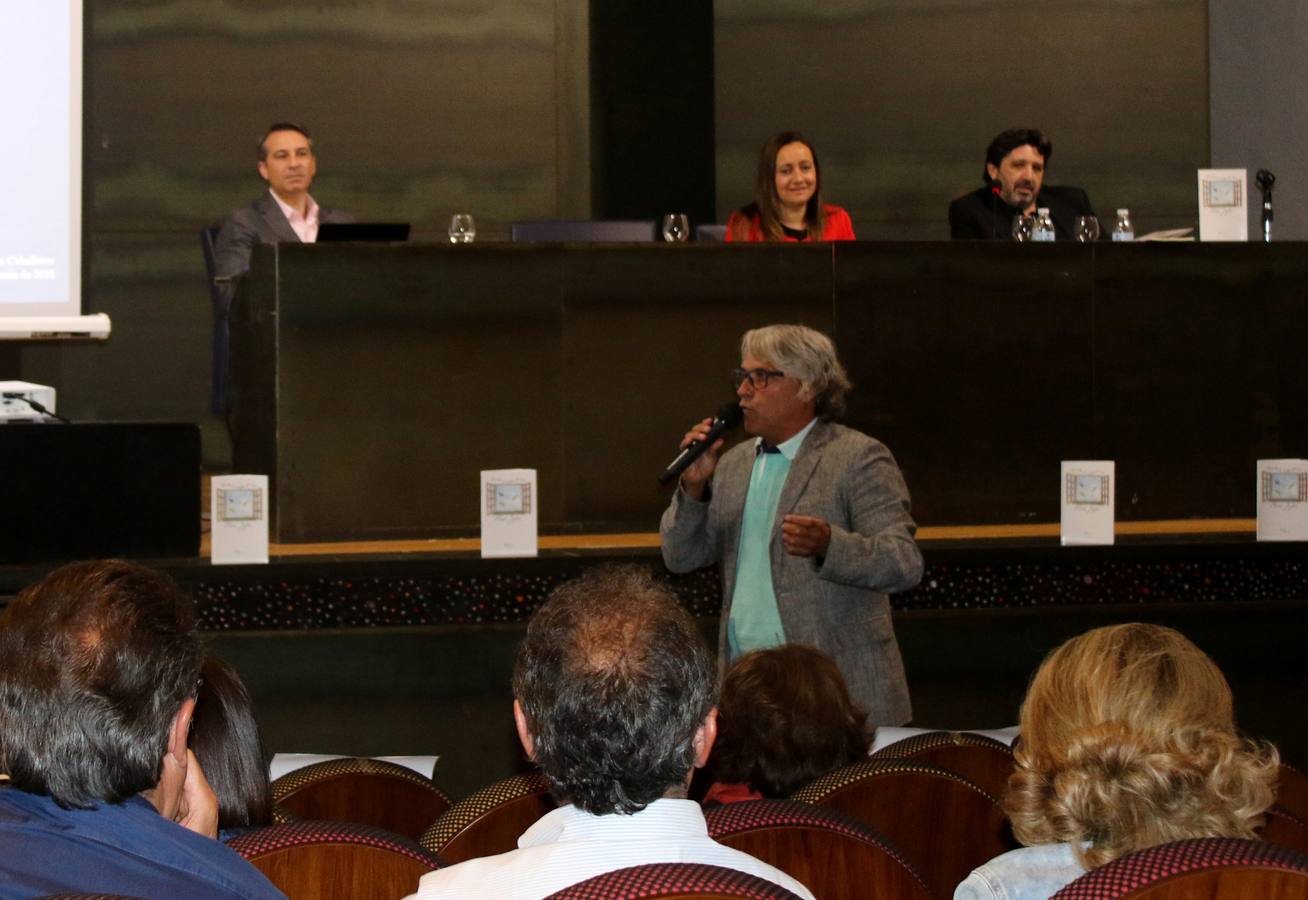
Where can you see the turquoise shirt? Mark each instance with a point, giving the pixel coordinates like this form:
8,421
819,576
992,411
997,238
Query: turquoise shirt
755,621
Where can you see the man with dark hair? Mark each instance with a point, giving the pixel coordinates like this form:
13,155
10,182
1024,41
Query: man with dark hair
1014,175
809,524
614,692
99,664
286,214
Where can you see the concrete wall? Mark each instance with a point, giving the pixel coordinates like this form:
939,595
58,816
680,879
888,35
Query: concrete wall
1258,73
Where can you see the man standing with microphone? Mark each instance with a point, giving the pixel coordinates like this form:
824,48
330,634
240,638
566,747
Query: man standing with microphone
810,522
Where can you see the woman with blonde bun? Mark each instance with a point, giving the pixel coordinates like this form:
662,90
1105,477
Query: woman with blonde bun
1128,741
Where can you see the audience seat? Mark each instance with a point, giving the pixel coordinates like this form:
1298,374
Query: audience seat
944,824
689,881
834,856
1198,869
1292,791
982,760
336,860
582,231
367,791
1285,829
491,820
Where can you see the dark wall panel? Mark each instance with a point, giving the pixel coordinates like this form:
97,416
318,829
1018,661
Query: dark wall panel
979,382
901,98
649,336
418,109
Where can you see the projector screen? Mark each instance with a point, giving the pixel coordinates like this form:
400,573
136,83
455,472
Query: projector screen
41,158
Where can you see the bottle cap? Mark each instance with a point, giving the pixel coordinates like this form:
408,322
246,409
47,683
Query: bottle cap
1124,212
1044,210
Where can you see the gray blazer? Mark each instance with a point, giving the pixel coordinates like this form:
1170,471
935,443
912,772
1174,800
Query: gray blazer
261,222
839,604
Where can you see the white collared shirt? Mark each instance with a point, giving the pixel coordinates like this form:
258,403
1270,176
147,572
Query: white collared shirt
569,845
305,226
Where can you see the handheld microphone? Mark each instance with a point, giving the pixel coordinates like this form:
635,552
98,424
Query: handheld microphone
727,418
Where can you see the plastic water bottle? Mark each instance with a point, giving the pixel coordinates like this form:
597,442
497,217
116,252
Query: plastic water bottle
1044,226
1124,230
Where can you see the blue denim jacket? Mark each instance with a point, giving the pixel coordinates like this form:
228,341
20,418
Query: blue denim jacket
1030,873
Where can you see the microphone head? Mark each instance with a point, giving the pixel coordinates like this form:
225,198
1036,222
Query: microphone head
731,414
1265,179
995,189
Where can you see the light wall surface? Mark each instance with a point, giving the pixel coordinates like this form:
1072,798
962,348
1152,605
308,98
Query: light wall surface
1258,73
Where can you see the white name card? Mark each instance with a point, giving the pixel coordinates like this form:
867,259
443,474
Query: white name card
1223,205
1086,494
508,513
1282,500
238,514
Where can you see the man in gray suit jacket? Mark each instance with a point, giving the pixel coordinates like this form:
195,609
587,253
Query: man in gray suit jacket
810,523
286,214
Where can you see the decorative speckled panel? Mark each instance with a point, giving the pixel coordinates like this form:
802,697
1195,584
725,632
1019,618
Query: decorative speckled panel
344,593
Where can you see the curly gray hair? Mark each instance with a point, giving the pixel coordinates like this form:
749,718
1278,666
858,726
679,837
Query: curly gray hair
806,354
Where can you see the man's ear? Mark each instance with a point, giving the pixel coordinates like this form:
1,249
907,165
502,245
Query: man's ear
180,730
263,170
993,171
705,735
524,733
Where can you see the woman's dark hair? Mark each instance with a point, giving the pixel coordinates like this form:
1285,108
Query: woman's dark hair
225,739
785,718
766,202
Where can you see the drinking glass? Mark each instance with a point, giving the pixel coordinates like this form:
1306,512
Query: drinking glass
1087,228
463,230
1023,227
676,228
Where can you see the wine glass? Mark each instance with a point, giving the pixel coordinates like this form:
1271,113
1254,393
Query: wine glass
1087,228
463,229
1023,227
676,228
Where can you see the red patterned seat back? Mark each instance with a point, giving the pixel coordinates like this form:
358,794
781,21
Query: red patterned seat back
834,856
336,860
945,825
1285,829
367,791
491,820
1207,868
1292,791
690,881
982,760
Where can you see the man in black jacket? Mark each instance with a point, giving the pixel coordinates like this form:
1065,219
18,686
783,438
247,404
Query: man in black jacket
1014,177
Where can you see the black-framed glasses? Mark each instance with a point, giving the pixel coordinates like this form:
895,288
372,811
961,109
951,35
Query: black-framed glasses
758,378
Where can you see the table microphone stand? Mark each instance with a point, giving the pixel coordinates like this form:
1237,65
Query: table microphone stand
1265,181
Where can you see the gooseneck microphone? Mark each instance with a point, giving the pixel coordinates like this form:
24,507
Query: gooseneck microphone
1265,181
727,418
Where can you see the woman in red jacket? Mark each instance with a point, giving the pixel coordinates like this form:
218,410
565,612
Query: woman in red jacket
788,204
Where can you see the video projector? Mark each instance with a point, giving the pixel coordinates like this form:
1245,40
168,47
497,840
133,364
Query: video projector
13,407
